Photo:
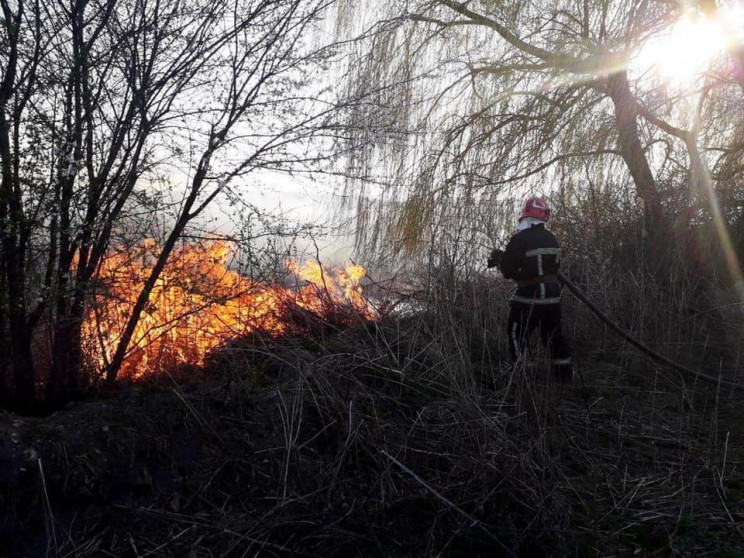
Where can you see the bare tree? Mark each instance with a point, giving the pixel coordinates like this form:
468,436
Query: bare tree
99,98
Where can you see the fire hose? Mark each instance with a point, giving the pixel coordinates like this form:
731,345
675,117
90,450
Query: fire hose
581,295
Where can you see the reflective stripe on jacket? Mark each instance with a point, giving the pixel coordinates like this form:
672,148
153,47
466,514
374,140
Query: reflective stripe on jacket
533,254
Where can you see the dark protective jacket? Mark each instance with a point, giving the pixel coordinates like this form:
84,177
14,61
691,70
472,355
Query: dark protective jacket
532,258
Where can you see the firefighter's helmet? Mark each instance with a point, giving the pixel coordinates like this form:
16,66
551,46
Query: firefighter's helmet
536,207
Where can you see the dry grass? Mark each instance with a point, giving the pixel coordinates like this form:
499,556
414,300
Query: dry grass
409,437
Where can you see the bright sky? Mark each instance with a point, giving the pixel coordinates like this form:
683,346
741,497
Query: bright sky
689,47
298,199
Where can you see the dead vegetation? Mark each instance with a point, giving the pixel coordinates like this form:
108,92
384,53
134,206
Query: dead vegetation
405,437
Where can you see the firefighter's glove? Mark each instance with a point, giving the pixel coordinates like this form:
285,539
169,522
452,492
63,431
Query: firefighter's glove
495,258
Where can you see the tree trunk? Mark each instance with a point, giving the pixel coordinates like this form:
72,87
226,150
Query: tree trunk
631,149
196,184
64,375
22,363
5,388
657,227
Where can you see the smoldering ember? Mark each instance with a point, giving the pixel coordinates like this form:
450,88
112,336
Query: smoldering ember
342,278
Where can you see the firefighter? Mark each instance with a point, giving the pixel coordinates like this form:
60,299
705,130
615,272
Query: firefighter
531,258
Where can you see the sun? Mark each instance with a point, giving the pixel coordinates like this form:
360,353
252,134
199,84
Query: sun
690,46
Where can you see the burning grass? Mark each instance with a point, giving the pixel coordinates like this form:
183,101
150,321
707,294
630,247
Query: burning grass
199,303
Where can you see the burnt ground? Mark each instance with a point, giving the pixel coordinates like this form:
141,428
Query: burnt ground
375,443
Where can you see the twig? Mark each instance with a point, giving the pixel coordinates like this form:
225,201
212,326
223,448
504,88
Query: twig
48,509
473,521
134,546
166,543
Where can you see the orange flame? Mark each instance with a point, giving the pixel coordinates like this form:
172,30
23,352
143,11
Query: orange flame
198,303
342,286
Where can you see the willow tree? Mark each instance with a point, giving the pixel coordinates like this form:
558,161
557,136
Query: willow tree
100,99
472,100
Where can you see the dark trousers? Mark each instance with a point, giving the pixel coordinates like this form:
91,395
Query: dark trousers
524,318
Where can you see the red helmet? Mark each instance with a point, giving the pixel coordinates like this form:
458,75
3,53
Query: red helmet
536,207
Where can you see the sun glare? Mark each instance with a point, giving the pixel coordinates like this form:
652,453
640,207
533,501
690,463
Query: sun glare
690,46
